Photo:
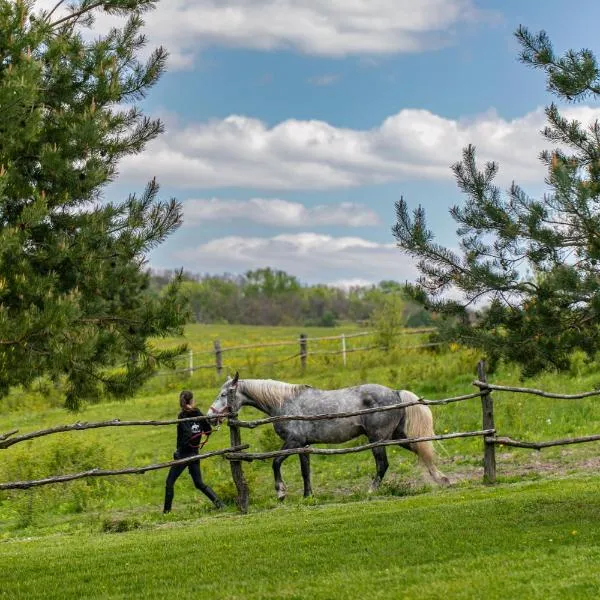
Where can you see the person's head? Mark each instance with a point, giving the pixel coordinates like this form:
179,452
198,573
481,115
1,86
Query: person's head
186,400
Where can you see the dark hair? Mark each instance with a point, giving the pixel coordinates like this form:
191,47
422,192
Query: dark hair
185,399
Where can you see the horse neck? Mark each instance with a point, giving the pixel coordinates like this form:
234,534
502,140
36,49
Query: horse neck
271,411
269,408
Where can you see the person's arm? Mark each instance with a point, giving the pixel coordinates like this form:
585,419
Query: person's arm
206,426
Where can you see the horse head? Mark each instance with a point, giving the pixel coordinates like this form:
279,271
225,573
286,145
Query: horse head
219,409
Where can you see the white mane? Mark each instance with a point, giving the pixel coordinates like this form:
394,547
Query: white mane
270,393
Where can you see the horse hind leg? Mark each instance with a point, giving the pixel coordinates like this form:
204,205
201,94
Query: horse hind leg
305,469
426,454
381,462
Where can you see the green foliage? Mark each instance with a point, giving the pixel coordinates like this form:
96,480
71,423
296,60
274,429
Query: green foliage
388,320
74,298
532,263
268,297
269,283
71,455
268,440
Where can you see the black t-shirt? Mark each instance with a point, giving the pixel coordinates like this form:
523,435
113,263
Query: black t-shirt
189,433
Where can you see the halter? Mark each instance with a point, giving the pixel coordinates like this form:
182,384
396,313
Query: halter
223,411
221,414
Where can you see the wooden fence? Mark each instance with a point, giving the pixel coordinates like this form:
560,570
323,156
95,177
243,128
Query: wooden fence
237,452
304,344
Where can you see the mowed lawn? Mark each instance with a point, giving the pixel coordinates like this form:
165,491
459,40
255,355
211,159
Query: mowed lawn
523,540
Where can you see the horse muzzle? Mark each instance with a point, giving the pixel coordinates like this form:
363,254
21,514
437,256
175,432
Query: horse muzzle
217,416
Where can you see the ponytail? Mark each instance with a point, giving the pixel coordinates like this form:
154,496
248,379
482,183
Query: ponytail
185,399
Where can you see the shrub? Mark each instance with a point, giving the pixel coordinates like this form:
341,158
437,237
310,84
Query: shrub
36,460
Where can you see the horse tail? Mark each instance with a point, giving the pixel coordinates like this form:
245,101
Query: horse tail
419,423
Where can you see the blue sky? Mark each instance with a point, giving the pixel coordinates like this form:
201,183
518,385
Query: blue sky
294,125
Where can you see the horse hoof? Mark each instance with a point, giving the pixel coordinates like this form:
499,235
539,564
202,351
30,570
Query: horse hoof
281,496
444,481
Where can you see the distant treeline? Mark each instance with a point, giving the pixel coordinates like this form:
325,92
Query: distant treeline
271,297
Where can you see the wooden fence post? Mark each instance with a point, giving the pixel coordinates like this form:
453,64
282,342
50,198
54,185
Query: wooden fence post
236,465
487,408
344,349
303,352
218,357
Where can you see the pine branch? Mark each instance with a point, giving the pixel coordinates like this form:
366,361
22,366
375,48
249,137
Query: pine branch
54,9
572,77
76,14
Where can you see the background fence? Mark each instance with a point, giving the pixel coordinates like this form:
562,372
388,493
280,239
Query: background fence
307,347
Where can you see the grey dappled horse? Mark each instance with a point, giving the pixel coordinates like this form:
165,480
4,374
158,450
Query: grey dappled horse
278,398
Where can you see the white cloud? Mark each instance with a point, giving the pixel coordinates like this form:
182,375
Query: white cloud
311,257
309,154
324,80
317,27
276,212
348,284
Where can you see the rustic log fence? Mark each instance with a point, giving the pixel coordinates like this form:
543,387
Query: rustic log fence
237,452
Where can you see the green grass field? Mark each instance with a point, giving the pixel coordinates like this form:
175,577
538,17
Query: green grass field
410,539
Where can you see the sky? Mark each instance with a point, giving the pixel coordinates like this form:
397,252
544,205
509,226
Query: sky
293,126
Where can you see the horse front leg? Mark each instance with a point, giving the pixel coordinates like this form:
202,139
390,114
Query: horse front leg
305,469
280,487
381,463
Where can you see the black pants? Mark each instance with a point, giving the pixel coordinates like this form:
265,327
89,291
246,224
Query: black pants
194,468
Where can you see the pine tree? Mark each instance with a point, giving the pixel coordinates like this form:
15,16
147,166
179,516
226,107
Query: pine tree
533,264
74,299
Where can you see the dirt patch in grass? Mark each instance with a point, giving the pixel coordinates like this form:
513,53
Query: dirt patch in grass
529,464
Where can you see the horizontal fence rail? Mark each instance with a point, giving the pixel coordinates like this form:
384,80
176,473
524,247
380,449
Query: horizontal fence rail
535,392
365,348
7,439
23,485
250,456
342,415
506,441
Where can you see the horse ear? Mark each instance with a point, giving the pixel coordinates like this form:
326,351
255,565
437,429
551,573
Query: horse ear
235,379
